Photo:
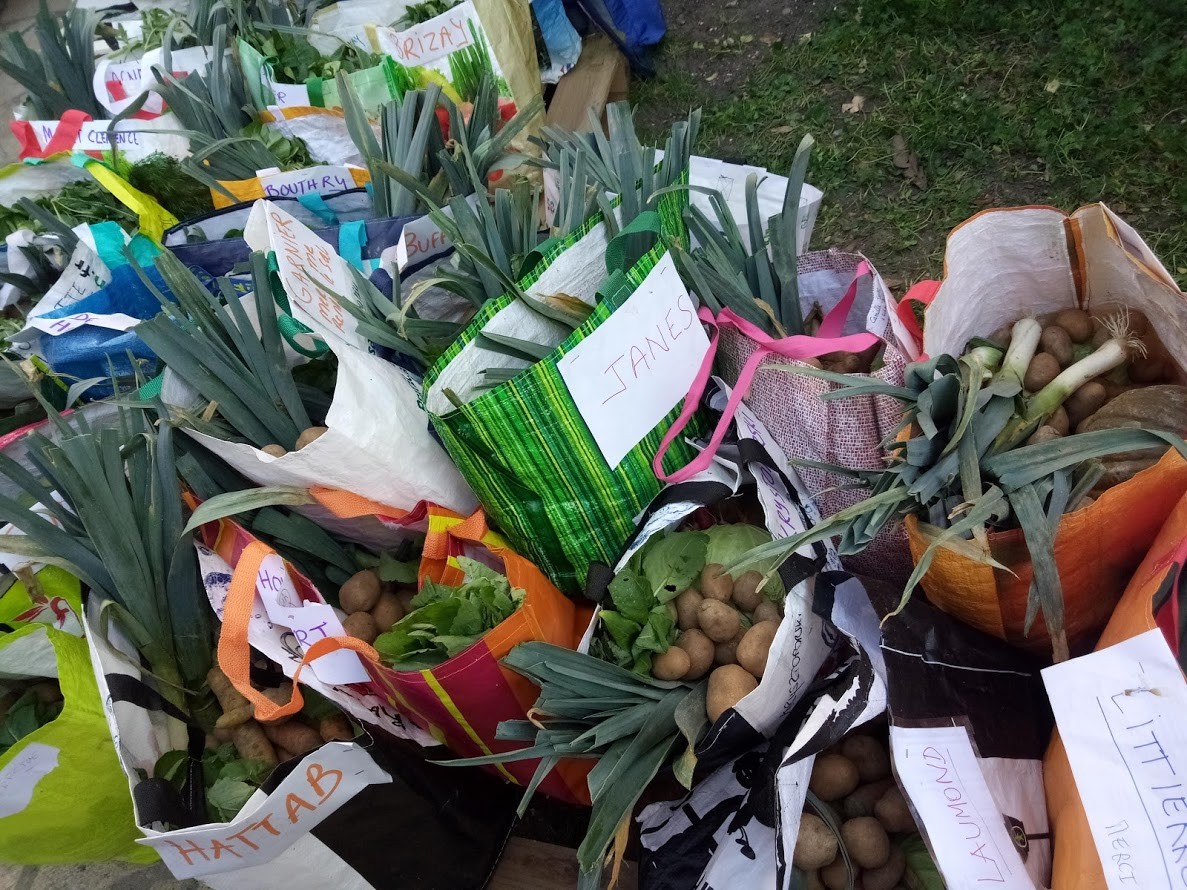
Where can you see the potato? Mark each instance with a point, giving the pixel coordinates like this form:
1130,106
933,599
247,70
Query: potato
1059,421
47,691
275,450
869,755
845,363
310,435
812,881
835,875
1084,402
361,626
861,802
866,841
885,877
727,652
1043,434
335,728
718,620
1057,343
405,595
833,776
767,611
293,736
1001,337
386,611
755,646
360,592
1043,368
1076,322
747,596
815,845
728,685
700,652
715,583
892,811
671,665
686,608
1146,370
1085,502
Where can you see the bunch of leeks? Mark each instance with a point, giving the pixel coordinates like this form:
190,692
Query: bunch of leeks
961,468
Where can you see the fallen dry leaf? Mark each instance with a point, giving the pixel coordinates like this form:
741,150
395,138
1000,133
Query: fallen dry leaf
784,129
907,161
854,105
1053,85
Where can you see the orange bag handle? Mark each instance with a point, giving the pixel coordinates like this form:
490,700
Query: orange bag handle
348,505
234,650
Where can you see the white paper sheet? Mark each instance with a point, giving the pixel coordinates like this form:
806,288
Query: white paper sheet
1120,713
639,364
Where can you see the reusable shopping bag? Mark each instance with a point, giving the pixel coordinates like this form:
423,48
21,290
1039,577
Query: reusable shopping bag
333,817
560,473
64,796
460,702
378,444
1152,603
859,313
999,266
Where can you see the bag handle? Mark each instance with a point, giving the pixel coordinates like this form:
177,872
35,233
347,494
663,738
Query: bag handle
921,292
620,255
797,346
234,650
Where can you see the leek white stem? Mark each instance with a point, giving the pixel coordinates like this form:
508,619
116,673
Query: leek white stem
1111,354
1024,340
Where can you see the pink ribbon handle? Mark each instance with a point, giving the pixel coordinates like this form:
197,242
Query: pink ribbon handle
796,347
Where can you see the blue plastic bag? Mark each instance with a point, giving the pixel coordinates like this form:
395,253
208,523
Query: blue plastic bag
90,351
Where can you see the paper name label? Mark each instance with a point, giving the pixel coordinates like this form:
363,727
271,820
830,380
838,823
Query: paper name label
322,180
20,776
434,39
288,95
276,589
939,772
93,137
304,260
318,621
629,373
1120,716
55,327
308,623
316,788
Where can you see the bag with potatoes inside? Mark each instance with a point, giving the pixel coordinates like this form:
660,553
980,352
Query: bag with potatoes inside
670,610
1110,355
413,646
750,819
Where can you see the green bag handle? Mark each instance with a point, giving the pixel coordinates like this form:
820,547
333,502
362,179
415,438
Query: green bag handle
633,241
288,326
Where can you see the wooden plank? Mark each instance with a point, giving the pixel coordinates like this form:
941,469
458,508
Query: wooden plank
601,75
533,865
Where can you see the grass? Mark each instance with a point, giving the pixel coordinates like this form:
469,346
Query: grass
1004,103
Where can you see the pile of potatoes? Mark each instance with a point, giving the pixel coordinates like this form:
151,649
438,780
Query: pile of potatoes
372,606
275,741
853,779
726,626
309,435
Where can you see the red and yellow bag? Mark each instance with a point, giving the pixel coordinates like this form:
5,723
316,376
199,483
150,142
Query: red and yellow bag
460,702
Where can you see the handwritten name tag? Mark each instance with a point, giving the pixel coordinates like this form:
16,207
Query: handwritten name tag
21,775
940,774
639,364
320,180
1120,715
318,787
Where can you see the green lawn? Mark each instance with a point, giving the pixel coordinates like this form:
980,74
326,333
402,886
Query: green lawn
1004,102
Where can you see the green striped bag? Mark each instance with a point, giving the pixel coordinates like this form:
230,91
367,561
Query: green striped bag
523,446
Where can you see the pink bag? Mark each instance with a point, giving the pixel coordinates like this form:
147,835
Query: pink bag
859,312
